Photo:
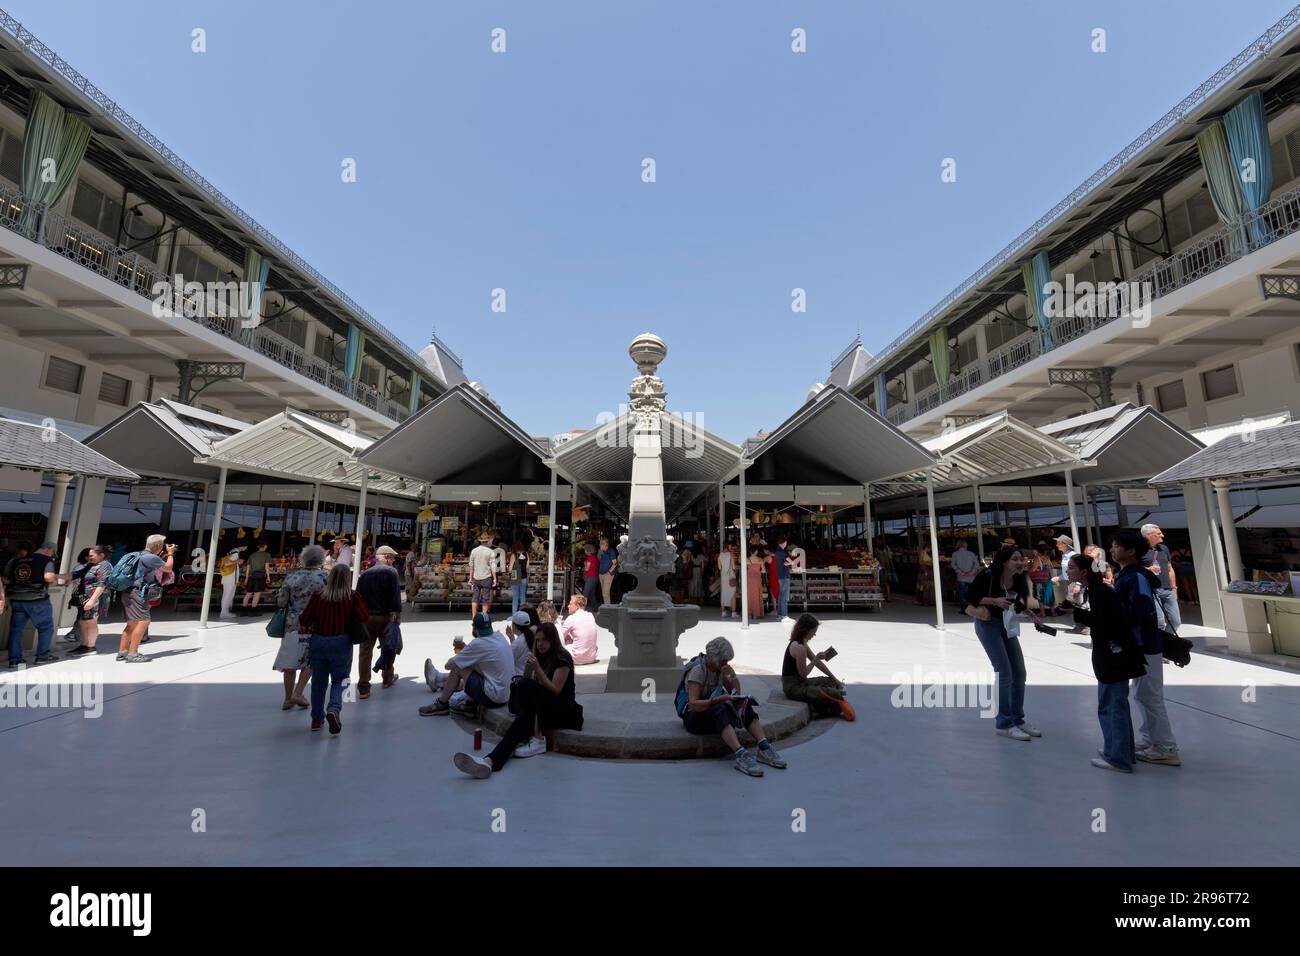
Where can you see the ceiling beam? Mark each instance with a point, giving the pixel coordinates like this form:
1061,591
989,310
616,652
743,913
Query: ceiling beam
63,333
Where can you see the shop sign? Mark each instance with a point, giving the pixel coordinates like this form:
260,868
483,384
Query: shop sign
243,492
450,523
23,480
1005,493
1140,497
150,494
288,492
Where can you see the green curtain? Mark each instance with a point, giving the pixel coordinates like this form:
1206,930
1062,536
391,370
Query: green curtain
50,134
360,355
256,269
939,354
415,393
1037,273
1220,173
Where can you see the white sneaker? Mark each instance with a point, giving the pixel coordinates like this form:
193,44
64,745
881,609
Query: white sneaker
1015,733
1101,763
533,748
432,676
229,617
480,768
1031,729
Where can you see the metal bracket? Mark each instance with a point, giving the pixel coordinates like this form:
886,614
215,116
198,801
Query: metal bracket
1093,382
210,373
1280,287
13,275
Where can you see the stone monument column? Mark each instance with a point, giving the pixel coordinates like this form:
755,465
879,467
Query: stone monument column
646,623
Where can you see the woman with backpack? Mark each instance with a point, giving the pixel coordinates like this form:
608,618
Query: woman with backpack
996,599
334,619
543,699
1116,659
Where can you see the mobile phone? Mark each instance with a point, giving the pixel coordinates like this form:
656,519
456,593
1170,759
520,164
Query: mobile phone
829,653
1044,629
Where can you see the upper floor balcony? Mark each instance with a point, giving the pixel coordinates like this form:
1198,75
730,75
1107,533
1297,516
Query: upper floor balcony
1233,241
90,249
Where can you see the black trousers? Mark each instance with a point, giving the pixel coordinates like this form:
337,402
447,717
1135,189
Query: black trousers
532,702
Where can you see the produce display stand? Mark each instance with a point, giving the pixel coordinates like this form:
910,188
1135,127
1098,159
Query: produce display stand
822,588
448,585
862,588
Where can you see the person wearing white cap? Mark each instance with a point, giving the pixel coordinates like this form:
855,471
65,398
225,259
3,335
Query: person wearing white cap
381,589
1061,586
229,570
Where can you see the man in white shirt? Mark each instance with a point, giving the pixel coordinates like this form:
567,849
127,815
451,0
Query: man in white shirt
482,576
965,564
483,670
343,555
579,631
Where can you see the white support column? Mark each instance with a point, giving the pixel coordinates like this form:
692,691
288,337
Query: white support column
65,549
550,545
744,559
54,520
212,551
315,512
979,522
1202,539
83,531
722,521
361,526
934,553
1231,548
1087,521
1069,502
866,519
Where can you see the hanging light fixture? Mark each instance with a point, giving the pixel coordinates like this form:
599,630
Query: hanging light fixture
401,483
340,471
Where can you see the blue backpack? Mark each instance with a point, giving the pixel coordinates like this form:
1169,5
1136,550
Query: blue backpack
126,573
682,696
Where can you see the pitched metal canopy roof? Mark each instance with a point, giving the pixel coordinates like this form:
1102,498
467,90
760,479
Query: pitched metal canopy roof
693,459
1128,442
37,448
1252,456
834,439
460,437
162,439
302,448
998,448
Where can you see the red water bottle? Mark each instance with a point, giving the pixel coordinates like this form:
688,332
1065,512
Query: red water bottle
478,739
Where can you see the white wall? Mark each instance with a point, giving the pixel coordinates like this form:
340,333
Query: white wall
1269,382
22,372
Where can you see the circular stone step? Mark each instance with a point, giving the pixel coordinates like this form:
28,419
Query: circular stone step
624,725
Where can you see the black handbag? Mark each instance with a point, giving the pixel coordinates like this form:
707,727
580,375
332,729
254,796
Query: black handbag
1176,650
356,628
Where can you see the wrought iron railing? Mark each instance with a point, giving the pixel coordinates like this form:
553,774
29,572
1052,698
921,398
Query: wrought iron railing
1257,50
1253,231
87,247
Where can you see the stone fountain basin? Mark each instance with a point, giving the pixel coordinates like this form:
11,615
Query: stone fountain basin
625,726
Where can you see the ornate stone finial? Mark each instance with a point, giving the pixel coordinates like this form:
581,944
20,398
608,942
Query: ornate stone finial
647,397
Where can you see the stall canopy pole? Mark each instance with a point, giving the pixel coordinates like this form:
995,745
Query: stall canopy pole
934,553
315,512
361,526
744,559
722,522
866,520
203,513
1220,561
211,562
1069,503
550,545
1087,522
979,522
1230,544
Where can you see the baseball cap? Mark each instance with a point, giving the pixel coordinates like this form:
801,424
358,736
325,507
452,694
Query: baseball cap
482,624
520,619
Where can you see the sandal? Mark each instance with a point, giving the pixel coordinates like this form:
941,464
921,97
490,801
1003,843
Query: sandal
302,702
288,705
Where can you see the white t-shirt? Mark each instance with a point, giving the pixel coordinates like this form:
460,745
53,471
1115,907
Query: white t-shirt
345,556
492,657
481,562
519,647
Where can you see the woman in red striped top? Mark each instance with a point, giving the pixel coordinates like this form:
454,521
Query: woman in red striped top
328,617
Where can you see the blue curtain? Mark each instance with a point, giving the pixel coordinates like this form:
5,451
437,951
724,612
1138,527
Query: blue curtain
882,396
1246,125
352,357
1037,273
415,393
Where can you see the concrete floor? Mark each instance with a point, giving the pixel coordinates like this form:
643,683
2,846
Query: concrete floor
201,728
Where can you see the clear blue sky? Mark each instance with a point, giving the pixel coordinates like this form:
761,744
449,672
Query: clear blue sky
523,170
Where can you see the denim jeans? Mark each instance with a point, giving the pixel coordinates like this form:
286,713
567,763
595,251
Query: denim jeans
518,590
962,588
1009,663
1149,692
1116,724
783,599
591,591
1169,617
41,616
330,659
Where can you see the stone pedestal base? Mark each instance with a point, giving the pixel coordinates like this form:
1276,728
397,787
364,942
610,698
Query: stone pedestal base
630,679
